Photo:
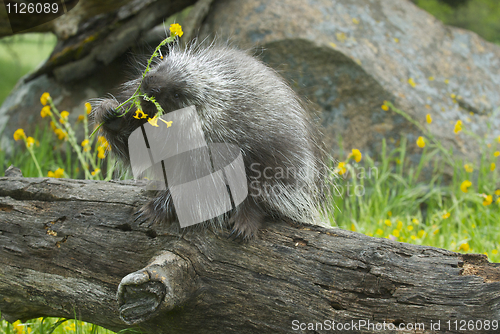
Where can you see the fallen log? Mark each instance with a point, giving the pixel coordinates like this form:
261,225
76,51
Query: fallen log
72,247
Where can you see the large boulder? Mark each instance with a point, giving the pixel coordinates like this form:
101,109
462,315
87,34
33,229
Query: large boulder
348,56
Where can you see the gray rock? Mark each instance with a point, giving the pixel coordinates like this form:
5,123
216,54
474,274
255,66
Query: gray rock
349,56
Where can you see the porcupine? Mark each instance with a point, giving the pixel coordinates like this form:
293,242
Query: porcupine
241,101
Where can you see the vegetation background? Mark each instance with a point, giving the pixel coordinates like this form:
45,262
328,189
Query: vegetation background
454,215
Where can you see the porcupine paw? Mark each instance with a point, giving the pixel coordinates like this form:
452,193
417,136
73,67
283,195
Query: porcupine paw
247,220
158,210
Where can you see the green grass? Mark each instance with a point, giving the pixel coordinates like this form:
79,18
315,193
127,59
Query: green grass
20,54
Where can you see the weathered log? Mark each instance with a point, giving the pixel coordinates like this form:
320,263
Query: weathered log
70,245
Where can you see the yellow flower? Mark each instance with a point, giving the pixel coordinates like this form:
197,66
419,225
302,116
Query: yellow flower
446,81
412,82
395,233
356,154
430,78
420,142
85,142
341,169
45,112
493,166
494,252
169,124
446,215
61,134
379,231
400,225
387,222
153,121
45,98
496,154
458,127
413,237
58,173
465,186
30,141
415,221
498,139
100,154
64,116
176,29
389,213
435,231
53,126
80,118
428,118
464,247
421,233
468,168
139,114
88,108
353,227
384,107
410,227
453,96
488,199
497,192
19,134
97,170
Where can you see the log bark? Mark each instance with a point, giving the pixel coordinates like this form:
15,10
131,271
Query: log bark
73,246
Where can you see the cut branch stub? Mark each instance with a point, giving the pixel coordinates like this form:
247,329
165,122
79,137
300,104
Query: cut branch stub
167,282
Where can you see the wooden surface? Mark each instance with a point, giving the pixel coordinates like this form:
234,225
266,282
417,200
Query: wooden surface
70,245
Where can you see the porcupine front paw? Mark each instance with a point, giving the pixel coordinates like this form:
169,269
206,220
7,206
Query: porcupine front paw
158,210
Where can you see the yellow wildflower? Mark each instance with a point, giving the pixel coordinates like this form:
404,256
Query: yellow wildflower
421,233
400,225
415,221
453,96
379,231
384,107
44,99
85,145
64,116
169,124
498,139
341,168
464,247
428,118
389,213
30,141
435,231
176,29
355,21
473,225
493,166
468,168
413,237
356,154
140,114
496,154
412,82
45,111
19,134
85,142
61,134
88,108
353,227
497,192
97,170
53,126
100,152
58,173
80,118
410,227
153,121
458,127
395,233
446,81
387,222
465,186
103,142
488,199
494,252
446,215
430,78
420,142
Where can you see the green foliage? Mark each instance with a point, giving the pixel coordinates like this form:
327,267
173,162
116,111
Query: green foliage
388,197
19,54
480,16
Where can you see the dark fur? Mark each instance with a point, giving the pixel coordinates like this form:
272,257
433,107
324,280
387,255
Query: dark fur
240,101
